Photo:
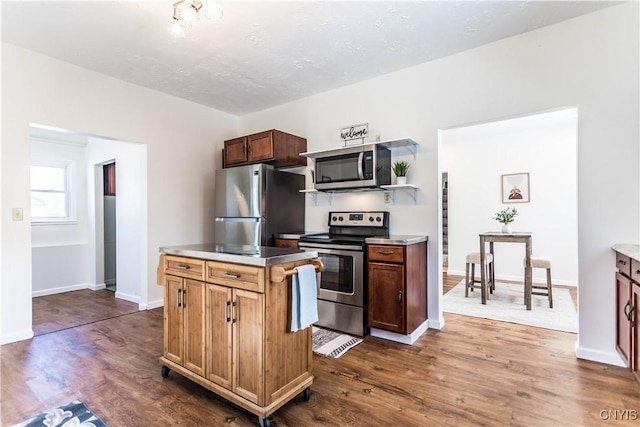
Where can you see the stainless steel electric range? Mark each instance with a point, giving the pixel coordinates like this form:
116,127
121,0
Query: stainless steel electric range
341,288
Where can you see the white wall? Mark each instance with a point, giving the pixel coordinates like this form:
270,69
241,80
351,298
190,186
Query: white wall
60,258
183,142
475,157
590,62
131,216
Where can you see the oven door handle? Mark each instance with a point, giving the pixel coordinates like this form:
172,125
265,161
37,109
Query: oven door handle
360,166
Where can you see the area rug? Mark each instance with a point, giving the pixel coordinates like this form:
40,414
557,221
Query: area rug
332,344
507,304
71,414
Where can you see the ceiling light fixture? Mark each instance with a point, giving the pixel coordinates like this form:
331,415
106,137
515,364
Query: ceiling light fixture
186,12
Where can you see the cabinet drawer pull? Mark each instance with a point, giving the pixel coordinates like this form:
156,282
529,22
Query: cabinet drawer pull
179,297
400,297
628,314
631,319
637,271
385,252
227,311
621,261
231,276
183,266
233,312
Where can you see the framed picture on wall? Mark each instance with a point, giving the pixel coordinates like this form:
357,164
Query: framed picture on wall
515,188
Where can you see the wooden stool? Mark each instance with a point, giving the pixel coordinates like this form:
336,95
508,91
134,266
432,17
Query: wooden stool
472,259
542,262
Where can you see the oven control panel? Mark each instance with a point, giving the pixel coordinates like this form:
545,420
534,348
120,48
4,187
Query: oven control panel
359,219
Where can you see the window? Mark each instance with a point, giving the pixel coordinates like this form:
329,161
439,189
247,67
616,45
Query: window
51,198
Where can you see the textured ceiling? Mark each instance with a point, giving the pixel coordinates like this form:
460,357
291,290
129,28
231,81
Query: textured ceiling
266,53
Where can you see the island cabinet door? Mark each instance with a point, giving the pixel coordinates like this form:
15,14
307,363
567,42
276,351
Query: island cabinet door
193,305
219,338
173,344
623,327
635,329
248,353
387,297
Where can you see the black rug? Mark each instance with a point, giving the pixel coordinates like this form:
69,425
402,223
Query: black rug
71,414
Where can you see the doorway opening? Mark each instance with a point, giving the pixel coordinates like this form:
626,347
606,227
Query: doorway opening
74,262
475,159
110,234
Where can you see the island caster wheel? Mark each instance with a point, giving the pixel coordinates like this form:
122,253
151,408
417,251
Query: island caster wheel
306,394
164,372
265,422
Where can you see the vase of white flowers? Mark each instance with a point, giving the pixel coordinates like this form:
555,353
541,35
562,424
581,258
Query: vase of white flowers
506,217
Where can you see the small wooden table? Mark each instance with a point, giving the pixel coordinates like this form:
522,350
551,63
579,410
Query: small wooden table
493,236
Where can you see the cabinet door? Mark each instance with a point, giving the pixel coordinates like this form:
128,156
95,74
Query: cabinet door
635,330
219,344
235,151
248,315
386,297
193,305
173,345
623,326
260,147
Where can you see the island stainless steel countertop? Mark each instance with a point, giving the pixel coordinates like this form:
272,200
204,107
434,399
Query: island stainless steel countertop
401,240
261,256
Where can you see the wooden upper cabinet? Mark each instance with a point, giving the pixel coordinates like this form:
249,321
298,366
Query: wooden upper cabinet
274,147
235,151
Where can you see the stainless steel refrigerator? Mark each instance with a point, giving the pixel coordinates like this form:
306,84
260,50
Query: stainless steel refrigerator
254,202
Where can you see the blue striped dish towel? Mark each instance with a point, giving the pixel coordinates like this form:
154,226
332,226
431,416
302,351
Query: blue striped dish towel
304,298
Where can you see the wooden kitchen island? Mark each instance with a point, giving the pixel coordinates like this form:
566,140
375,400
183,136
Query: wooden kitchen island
227,322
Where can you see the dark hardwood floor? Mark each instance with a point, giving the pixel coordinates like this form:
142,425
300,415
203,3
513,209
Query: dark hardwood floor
69,309
473,372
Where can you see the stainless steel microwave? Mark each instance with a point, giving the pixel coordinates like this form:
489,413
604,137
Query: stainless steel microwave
350,168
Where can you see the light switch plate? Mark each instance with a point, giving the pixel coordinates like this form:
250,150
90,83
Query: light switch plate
387,197
17,214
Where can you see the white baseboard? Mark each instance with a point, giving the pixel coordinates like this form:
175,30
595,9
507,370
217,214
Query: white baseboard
97,286
128,297
62,289
403,339
151,305
518,278
436,323
609,358
16,336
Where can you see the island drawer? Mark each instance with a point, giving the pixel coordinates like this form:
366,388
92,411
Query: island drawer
623,263
190,268
235,275
386,253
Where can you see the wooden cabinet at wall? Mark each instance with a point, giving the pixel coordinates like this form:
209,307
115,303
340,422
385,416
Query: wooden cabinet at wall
397,286
274,147
184,314
627,311
229,332
286,243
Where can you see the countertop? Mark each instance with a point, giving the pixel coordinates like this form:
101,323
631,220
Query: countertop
402,240
261,256
632,251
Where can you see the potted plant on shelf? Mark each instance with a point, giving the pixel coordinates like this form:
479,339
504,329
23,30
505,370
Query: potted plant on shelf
506,217
400,168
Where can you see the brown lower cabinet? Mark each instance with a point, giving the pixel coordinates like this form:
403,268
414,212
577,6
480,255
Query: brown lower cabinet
286,243
397,287
229,332
627,311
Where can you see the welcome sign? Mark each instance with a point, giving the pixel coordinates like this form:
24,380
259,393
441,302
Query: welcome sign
354,134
